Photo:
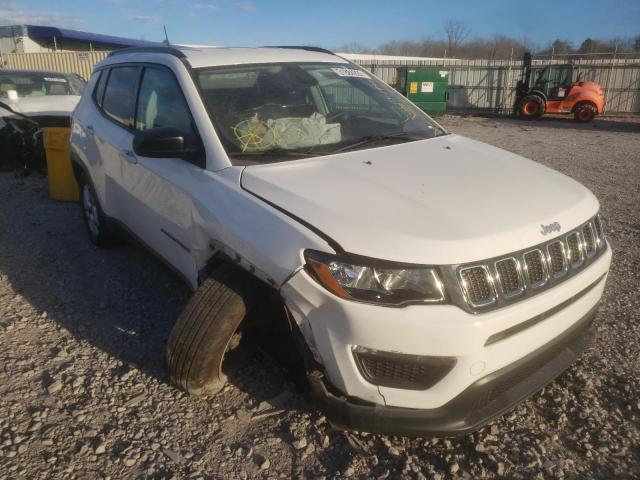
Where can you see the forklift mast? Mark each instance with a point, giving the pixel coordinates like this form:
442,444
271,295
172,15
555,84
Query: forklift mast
526,68
522,87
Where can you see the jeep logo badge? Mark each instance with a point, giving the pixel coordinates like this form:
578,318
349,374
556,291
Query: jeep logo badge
552,227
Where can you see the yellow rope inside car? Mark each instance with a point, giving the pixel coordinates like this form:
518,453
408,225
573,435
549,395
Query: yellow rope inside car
251,135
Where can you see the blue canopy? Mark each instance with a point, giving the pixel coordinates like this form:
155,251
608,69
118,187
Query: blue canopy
36,31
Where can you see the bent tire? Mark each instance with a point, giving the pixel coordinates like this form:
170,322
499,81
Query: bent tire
584,113
205,330
94,219
531,107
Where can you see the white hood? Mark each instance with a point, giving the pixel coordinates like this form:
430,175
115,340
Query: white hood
446,200
46,105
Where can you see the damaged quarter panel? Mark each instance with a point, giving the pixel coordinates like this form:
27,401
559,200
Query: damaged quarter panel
220,218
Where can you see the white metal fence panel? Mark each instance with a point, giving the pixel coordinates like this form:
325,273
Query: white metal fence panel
489,85
474,85
80,63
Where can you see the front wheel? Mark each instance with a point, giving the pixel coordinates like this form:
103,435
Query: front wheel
531,107
584,113
208,328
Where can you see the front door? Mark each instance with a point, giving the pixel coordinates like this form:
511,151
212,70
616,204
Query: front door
160,207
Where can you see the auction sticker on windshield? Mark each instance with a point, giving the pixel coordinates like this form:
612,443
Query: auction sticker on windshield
350,72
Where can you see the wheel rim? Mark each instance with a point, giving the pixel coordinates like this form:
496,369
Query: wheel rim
90,210
584,114
530,108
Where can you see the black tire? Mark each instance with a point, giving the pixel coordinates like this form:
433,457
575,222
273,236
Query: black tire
205,330
531,107
93,216
584,113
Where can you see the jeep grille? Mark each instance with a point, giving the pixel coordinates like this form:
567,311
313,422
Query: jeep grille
499,281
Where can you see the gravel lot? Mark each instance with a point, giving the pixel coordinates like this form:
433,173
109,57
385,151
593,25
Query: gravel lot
82,336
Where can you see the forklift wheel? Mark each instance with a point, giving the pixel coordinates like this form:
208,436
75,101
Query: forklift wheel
531,107
584,113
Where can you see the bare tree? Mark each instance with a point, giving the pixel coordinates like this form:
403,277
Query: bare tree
593,45
456,32
354,47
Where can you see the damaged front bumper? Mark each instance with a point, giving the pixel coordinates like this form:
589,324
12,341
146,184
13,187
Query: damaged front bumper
477,405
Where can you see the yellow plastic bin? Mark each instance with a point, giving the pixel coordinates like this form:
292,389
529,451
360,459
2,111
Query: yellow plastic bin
62,183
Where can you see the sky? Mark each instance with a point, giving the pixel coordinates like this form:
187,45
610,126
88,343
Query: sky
329,23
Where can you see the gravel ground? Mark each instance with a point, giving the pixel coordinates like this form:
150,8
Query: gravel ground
82,335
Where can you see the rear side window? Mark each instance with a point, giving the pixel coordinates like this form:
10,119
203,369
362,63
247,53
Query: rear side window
120,94
98,93
161,103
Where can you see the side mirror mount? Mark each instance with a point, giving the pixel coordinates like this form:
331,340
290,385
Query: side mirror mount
164,142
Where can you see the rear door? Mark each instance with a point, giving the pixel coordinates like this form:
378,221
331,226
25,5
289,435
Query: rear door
113,132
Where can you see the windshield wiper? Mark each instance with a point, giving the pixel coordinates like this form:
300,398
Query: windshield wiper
402,136
274,152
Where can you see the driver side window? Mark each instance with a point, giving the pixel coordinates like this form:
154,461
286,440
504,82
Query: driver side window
160,102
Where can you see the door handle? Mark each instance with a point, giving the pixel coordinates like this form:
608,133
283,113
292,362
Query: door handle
129,156
89,129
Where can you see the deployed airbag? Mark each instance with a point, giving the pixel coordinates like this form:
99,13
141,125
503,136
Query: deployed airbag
255,135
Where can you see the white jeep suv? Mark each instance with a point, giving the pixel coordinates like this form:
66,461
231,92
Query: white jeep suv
432,281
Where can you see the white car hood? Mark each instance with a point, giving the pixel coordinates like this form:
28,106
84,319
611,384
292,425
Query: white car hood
445,200
46,105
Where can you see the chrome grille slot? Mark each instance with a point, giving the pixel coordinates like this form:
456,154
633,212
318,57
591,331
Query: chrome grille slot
536,268
597,222
574,250
509,277
478,286
589,240
557,258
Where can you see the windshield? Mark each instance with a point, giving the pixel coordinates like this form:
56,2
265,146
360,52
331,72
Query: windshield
275,112
30,84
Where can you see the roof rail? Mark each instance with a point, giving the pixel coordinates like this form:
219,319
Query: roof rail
159,49
303,47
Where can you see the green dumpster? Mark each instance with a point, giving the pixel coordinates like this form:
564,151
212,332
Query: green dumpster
428,88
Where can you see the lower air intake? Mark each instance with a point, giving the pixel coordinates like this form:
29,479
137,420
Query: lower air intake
410,372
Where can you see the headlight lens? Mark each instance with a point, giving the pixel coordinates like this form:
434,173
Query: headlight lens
375,281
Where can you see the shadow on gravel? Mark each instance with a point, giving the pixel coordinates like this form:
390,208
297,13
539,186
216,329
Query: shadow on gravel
599,124
122,300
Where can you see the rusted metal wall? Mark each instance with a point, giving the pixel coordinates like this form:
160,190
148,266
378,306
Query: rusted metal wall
475,85
81,63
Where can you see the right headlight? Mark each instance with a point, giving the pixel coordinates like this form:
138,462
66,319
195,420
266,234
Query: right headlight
375,281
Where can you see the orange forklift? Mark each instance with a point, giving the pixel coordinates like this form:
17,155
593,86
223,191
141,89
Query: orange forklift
553,91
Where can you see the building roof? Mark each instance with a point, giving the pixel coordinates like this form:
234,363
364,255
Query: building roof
213,56
48,33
